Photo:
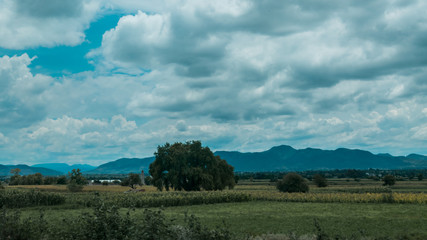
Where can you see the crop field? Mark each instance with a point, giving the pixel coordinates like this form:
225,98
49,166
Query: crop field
346,209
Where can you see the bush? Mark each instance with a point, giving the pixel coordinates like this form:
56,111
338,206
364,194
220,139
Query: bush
12,227
74,187
106,222
292,182
320,181
62,180
389,180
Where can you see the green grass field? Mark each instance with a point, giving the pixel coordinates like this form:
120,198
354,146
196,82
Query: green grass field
256,217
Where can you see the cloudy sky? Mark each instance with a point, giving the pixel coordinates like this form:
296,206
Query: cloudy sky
89,81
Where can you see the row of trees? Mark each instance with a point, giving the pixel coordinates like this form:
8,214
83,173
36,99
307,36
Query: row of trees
293,182
35,179
75,181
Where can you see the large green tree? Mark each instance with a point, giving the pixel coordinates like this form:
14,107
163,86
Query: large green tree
191,167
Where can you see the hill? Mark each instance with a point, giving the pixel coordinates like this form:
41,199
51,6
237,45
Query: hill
65,168
123,166
279,158
26,170
286,158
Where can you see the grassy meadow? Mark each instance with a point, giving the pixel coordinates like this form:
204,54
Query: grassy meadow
346,209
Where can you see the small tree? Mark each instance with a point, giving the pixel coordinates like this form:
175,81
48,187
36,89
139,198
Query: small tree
132,180
77,181
420,177
292,182
16,179
320,180
389,180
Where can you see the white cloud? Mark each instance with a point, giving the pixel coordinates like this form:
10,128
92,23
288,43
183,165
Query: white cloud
22,94
47,23
135,38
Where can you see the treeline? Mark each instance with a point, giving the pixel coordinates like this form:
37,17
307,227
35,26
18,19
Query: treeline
375,174
37,179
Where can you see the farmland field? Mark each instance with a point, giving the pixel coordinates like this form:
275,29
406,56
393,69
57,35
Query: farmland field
345,209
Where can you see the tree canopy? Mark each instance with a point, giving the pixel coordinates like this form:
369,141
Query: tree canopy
292,182
132,180
191,167
77,181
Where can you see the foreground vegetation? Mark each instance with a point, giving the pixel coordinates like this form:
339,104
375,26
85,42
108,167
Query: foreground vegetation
345,209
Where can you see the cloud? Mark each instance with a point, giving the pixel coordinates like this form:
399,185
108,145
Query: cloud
320,44
22,94
238,75
47,23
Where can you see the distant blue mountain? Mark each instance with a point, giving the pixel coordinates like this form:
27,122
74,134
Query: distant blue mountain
286,158
123,166
65,168
26,170
280,158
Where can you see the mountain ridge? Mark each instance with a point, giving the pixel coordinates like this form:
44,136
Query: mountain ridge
287,158
27,170
277,158
65,168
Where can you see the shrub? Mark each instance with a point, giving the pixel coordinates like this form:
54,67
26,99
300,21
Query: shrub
320,181
62,180
292,182
12,227
106,222
389,180
74,187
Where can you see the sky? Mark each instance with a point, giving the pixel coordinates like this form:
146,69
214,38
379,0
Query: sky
90,81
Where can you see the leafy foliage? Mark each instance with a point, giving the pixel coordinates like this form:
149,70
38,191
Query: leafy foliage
320,180
77,181
191,167
389,180
132,180
292,182
106,222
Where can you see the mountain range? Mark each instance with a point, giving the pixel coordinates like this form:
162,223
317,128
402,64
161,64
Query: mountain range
65,168
279,158
26,170
123,165
286,158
